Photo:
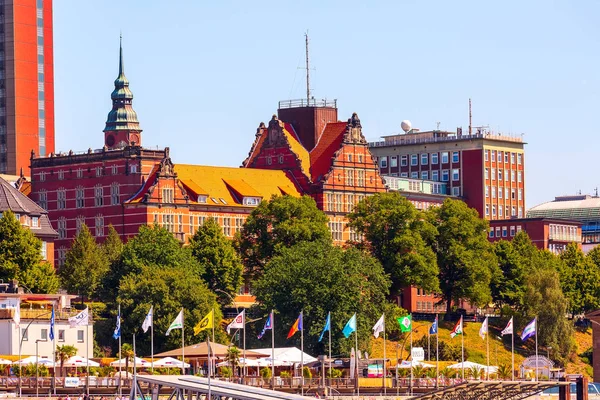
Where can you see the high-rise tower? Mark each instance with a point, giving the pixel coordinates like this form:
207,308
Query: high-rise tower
26,82
122,126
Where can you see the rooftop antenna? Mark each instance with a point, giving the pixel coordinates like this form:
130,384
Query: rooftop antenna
307,71
470,119
596,190
438,125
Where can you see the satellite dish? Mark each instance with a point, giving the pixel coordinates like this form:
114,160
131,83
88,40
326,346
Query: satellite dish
406,125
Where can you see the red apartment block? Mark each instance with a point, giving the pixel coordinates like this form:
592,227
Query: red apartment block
486,170
26,83
546,233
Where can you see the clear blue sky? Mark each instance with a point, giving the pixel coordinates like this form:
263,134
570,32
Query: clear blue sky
205,73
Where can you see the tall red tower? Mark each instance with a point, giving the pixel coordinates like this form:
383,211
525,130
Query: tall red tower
26,82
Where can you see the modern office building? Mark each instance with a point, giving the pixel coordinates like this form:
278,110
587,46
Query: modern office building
584,209
26,83
486,170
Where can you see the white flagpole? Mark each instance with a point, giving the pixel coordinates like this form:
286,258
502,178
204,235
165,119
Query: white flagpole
384,360
512,352
208,353
120,359
182,343
302,352
411,358
152,338
437,352
213,340
356,358
536,351
330,377
244,371
462,340
487,339
87,356
273,349
134,388
54,346
428,346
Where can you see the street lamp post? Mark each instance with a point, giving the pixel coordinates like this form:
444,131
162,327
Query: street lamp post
26,330
37,363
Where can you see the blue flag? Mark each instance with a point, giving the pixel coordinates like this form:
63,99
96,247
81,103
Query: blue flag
434,327
529,330
326,327
350,326
268,325
117,332
52,324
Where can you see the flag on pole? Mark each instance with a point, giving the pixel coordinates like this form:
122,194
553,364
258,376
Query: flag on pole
52,324
529,330
268,325
80,319
405,323
458,328
17,314
148,320
238,322
434,327
509,328
326,327
484,328
296,327
177,323
350,326
117,332
207,322
379,326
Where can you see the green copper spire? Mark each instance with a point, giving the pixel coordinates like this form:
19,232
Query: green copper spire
122,116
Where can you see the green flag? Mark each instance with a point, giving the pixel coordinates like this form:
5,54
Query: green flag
405,323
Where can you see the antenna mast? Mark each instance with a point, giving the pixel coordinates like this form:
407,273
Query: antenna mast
470,124
307,72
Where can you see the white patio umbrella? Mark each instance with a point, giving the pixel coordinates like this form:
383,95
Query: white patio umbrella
169,362
246,362
278,362
139,363
470,365
80,362
31,360
5,362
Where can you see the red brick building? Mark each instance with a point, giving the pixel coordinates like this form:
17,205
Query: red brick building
128,186
486,170
26,82
545,233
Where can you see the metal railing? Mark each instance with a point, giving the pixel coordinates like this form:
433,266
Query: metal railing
307,103
405,140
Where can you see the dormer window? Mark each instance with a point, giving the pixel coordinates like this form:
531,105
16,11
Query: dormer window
202,199
251,201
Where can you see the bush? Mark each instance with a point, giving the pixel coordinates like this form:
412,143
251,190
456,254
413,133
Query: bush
285,374
226,372
265,373
334,373
306,373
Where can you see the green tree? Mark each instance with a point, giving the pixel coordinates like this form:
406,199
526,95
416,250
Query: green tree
233,357
216,254
63,353
21,259
465,257
508,284
580,280
317,278
279,223
154,245
127,353
168,289
544,299
85,265
112,248
397,235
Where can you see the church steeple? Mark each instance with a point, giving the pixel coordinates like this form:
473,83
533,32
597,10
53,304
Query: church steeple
122,126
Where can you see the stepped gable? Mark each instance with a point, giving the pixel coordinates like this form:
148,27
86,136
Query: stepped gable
321,157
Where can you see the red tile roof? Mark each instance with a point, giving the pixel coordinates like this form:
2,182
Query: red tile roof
329,142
